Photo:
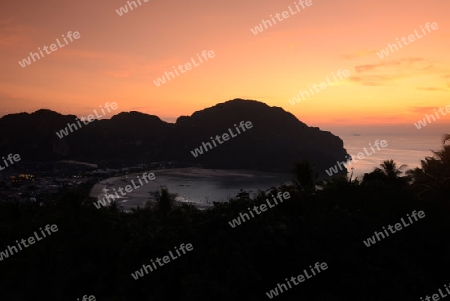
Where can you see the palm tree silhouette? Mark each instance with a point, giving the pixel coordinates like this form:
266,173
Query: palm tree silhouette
390,169
388,173
432,180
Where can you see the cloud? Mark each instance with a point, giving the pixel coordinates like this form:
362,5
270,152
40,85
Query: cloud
372,80
384,73
398,64
421,110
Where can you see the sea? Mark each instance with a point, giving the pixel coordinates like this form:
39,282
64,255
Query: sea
202,187
403,149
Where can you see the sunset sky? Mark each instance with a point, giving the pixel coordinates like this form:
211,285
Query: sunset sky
117,58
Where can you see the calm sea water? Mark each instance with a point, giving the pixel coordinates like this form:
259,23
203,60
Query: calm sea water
403,149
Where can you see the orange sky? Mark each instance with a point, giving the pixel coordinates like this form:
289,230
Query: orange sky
117,58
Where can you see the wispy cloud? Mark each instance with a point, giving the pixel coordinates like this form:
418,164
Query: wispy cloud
385,73
399,64
371,80
421,110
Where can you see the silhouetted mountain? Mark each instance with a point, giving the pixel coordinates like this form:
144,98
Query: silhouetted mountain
276,141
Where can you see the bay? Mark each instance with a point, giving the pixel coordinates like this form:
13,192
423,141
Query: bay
196,186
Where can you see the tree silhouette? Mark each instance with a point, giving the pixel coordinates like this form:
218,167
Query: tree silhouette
432,180
388,173
390,169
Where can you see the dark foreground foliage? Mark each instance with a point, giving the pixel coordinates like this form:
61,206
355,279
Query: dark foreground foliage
95,251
